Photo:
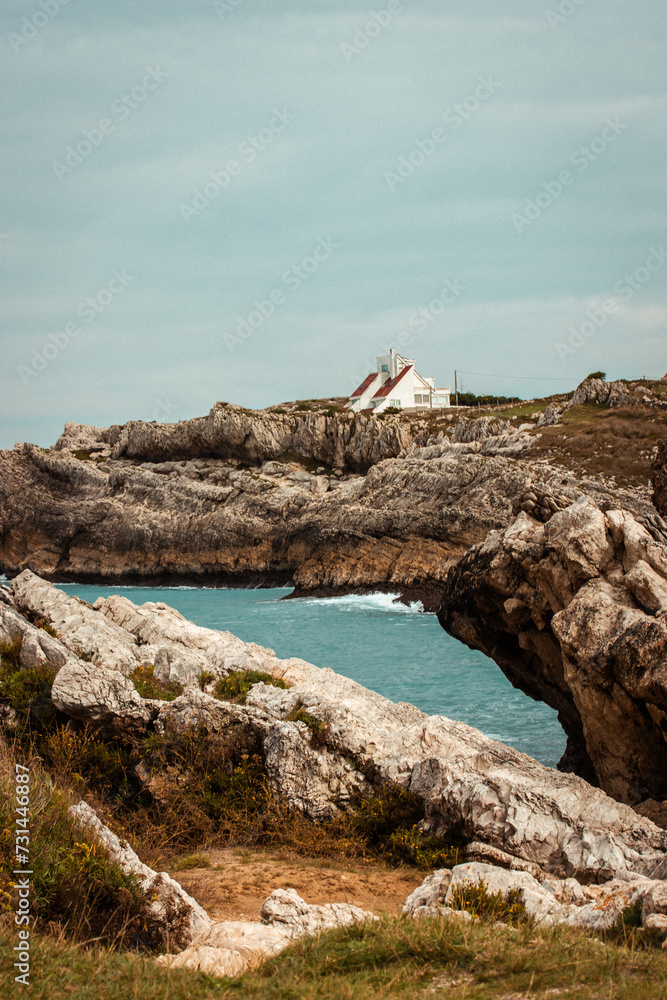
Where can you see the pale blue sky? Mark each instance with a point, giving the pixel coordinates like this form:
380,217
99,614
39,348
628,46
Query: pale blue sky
309,113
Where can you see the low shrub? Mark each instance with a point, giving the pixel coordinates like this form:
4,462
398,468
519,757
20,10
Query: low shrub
148,686
318,728
191,861
205,678
390,824
628,929
26,689
476,899
79,754
44,624
235,686
74,886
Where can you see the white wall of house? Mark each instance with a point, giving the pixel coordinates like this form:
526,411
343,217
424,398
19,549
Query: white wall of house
413,390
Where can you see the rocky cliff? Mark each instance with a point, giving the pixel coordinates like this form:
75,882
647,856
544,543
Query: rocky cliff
339,440
241,497
574,611
659,478
501,800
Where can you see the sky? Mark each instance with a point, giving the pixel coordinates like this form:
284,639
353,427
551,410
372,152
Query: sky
247,200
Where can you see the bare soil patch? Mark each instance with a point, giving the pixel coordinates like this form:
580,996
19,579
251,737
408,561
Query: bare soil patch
239,880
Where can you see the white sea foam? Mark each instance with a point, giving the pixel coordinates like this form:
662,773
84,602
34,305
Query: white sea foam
368,602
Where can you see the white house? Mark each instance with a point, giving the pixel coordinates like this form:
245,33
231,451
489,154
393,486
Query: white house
396,383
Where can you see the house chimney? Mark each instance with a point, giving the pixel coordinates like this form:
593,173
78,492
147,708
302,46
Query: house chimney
393,364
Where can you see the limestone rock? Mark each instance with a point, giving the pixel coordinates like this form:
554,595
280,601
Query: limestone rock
655,902
574,613
313,780
659,478
37,646
84,632
539,902
104,697
547,901
182,650
183,918
285,908
431,893
551,416
231,947
477,851
466,781
596,390
172,506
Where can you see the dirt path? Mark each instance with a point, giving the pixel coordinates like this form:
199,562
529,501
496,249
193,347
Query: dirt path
239,880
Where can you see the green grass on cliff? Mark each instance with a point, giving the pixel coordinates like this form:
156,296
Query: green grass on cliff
396,958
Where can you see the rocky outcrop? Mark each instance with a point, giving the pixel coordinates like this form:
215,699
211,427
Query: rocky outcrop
466,781
344,441
157,516
548,901
620,394
659,478
231,947
574,611
38,648
181,917
92,693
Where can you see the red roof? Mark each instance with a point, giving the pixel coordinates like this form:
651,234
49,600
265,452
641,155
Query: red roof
364,385
385,389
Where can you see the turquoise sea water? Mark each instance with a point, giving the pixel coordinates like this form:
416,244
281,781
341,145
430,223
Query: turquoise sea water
398,651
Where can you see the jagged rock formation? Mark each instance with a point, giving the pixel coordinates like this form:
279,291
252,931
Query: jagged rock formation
157,516
466,781
596,390
659,479
574,611
181,916
547,900
343,441
224,948
231,947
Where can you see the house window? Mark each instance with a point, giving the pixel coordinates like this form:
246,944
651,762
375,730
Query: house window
396,403
385,368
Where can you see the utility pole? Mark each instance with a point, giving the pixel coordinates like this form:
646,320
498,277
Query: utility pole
456,391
